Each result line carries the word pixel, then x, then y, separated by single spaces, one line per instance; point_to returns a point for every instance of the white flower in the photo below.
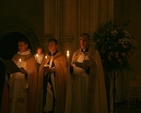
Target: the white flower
pixel 114 32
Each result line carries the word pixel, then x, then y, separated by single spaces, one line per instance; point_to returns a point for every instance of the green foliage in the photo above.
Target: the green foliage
pixel 115 45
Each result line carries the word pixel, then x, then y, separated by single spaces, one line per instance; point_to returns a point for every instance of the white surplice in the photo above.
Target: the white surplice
pixel 89 92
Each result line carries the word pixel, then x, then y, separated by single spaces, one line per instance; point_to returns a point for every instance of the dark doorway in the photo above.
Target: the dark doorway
pixel 8 44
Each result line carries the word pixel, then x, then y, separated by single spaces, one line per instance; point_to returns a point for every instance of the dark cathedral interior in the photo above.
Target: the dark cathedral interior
pixel 39 20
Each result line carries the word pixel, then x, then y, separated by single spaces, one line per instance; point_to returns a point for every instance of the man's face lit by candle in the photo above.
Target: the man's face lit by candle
pixel 52 46
pixel 22 46
pixel 84 42
pixel 39 51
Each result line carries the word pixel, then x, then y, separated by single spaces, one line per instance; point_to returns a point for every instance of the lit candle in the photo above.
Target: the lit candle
pixel 68 54
pixel 50 63
pixel 68 58
pixel 20 60
pixel 36 55
pixel 46 65
pixel 20 63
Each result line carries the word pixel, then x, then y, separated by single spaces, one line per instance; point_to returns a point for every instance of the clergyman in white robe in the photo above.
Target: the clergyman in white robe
pixel 88 86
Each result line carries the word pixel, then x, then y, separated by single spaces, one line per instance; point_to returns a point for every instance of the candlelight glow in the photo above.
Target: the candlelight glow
pixel 45 57
pixel 68 54
pixel 20 60
pixel 36 55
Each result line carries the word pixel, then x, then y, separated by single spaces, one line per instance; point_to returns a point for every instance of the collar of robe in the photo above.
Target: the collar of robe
pixel 52 54
pixel 25 53
pixel 85 50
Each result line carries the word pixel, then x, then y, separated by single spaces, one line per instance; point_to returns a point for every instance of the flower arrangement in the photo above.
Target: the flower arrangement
pixel 115 45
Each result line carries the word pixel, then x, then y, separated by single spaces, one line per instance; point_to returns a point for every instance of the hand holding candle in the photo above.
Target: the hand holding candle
pixel 22 64
pixel 20 60
pixel 36 55
pixel 46 65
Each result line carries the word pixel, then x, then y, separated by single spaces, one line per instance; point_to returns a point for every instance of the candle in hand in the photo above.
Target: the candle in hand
pixel 20 63
pixel 20 60
pixel 36 55
pixel 45 65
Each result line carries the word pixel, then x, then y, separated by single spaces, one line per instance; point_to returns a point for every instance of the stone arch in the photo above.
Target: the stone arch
pixel 10 24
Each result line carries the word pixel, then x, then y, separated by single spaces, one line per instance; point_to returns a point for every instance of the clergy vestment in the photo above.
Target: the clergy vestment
pixel 52 96
pixel 39 58
pixel 88 86
pixel 20 89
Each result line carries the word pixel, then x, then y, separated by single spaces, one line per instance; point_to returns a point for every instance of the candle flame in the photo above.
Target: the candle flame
pixel 20 60
pixel 68 53
pixel 45 57
pixel 36 55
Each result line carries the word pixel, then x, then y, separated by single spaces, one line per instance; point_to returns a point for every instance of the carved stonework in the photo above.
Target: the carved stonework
pixel 67 19
pixel 10 24
pixel 66 42
pixel 45 39
pixel 67 38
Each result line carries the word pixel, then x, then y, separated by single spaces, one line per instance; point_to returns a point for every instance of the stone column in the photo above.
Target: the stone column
pixel 67 19
pixel 49 17
pixel 49 12
pixel 66 35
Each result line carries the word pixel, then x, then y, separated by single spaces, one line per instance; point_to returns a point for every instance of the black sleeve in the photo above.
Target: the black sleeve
pixel 88 70
pixel 71 70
